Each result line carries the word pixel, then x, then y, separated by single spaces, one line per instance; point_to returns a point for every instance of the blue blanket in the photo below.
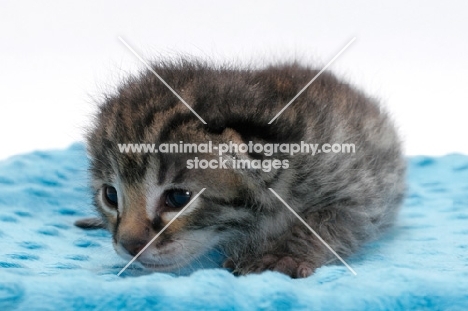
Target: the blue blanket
pixel 48 264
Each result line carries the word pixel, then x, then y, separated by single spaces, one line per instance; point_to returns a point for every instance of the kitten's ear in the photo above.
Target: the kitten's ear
pixel 217 129
pixel 90 223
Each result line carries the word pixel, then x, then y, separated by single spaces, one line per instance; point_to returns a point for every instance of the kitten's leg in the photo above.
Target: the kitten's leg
pixel 298 253
pixel 282 263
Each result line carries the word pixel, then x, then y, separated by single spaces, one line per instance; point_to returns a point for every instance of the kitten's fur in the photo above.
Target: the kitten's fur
pixel 347 199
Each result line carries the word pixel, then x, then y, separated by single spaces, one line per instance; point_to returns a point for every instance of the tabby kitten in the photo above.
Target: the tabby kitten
pixel 347 198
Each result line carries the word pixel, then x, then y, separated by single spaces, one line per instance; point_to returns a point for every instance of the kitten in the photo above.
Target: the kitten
pixel 347 198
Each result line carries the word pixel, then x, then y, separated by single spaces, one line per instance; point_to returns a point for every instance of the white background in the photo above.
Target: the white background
pixel 56 57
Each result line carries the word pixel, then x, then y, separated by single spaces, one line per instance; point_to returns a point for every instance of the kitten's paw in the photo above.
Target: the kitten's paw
pixel 285 264
pixel 304 270
pixel 90 223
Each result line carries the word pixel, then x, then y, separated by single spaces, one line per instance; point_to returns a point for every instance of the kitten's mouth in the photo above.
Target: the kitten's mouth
pixel 158 266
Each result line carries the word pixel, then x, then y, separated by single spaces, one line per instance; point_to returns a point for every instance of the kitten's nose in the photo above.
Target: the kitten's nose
pixel 133 247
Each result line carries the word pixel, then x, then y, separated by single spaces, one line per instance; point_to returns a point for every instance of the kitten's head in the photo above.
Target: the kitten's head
pixel 138 194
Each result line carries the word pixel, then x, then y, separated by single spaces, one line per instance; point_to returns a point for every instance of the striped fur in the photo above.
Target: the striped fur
pixel 347 198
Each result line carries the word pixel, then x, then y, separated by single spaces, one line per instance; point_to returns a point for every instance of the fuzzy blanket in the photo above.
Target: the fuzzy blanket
pixel 48 264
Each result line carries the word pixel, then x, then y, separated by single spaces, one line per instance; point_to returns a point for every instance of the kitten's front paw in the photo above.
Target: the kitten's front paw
pixel 295 268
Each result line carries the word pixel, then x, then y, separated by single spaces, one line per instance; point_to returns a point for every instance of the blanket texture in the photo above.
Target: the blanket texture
pixel 48 264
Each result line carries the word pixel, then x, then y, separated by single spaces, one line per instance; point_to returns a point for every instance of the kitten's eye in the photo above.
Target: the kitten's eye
pixel 110 196
pixel 177 198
